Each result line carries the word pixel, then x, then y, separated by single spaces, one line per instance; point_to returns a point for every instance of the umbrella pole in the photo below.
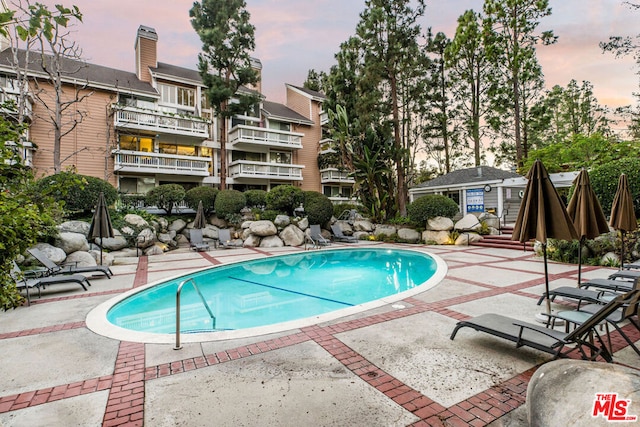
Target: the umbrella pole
pixel 100 245
pixel 580 260
pixel 546 276
pixel 622 250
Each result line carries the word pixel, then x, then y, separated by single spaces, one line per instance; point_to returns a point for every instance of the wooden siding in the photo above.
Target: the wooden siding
pixel 146 55
pixel 308 155
pixel 87 148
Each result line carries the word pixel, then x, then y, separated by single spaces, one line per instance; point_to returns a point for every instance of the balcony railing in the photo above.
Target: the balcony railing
pixel 142 162
pixel 157 121
pixel 243 134
pixel 334 175
pixel 247 169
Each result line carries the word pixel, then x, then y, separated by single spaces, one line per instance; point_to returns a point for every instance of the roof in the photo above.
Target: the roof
pixel 175 71
pixel 81 71
pixel 471 175
pixel 318 96
pixel 276 111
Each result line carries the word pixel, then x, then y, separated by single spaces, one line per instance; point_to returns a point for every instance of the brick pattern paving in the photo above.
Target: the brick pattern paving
pixel 125 405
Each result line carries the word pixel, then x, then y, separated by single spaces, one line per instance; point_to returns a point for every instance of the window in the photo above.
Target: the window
pixel 186 97
pixel 167 93
pixel 136 143
pixel 182 150
pixel 176 95
pixel 248 156
pixel 281 157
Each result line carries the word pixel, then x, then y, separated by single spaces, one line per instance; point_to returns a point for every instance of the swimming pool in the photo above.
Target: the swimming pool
pixel 264 295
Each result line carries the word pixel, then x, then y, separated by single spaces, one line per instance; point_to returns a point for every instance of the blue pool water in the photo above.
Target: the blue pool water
pixel 274 290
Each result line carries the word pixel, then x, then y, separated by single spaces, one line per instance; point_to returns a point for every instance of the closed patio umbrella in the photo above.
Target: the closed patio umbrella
pixel 101 223
pixel 542 215
pixel 200 221
pixel 623 215
pixel 586 213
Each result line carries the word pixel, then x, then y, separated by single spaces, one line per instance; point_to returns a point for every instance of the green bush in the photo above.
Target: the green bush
pixel 604 180
pixel 284 198
pixel 269 215
pixel 256 198
pixel 431 206
pixel 78 192
pixel 229 203
pixel 202 193
pixel 165 196
pixel 341 207
pixel 317 207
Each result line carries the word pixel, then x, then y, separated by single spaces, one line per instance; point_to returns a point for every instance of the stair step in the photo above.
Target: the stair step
pixel 514 245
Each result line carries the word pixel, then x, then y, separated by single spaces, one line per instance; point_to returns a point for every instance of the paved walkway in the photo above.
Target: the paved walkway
pixel 392 366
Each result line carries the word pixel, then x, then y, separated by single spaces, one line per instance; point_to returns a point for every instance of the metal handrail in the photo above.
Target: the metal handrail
pixel 213 318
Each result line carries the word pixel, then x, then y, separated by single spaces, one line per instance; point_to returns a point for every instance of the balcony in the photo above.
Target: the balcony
pixel 243 136
pixel 159 122
pixel 262 170
pixel 12 95
pixel 169 164
pixel 332 175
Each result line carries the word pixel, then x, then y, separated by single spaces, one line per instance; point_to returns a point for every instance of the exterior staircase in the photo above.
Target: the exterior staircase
pixel 503 241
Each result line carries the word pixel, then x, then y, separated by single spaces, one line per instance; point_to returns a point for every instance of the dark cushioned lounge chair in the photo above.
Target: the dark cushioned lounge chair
pixel 54 269
pixel 340 236
pixel 549 340
pixel 196 240
pixel 225 240
pixel 40 282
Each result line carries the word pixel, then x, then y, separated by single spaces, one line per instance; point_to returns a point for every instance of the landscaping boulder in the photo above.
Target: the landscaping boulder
pixel 81 259
pixel 303 224
pixel 271 242
pixel 363 225
pixel 291 235
pixel 281 221
pixel 154 249
pixel 107 258
pixel 346 228
pixel 56 255
pixel 263 228
pixel 246 224
pixel 146 238
pixel 218 222
pixel 81 227
pixel 565 392
pixel 610 258
pixel 409 235
pixel 437 237
pixel 178 225
pixel 440 223
pixel 114 243
pixel 71 242
pixel 210 231
pixel 465 239
pixel 490 219
pixel 468 222
pixel 384 230
pixel 136 220
pixel 251 241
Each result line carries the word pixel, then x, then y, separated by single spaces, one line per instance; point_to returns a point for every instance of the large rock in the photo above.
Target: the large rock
pixel 146 238
pixel 178 225
pixel 107 258
pixel 363 225
pixel 251 241
pixel 56 255
pixel 81 259
pixel 465 239
pixel 440 223
pixel 218 222
pixel 303 224
pixel 385 230
pixel 114 243
pixel 437 237
pixel 291 235
pixel 72 242
pixel 565 392
pixel 409 235
pixel 468 222
pixel 263 228
pixel 74 227
pixel 346 228
pixel 136 220
pixel 271 242
pixel 282 221
pixel 490 219
pixel 155 249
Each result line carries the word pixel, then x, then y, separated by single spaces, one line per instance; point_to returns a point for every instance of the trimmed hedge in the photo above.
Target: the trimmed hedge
pixel 165 196
pixel 256 198
pixel 205 193
pixel 284 198
pixel 431 206
pixel 78 192
pixel 229 203
pixel 604 180
pixel 317 207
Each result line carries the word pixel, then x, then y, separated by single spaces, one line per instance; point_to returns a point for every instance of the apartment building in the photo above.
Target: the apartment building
pixel 153 126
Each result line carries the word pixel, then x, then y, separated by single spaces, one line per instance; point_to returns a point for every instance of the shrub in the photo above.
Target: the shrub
pixel 229 203
pixel 256 198
pixel 317 207
pixel 165 196
pixel 78 192
pixel 202 193
pixel 431 206
pixel 284 198
pixel 604 180
pixel 269 215
pixel 341 207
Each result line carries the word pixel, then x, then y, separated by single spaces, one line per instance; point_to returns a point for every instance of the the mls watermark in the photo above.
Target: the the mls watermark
pixel 611 408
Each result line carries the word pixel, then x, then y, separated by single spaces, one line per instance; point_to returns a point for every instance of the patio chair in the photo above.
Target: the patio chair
pixel 340 236
pixel 196 240
pixel 54 269
pixel 625 274
pixel 549 340
pixel 28 283
pixel 606 290
pixel 225 241
pixel 622 314
pixel 315 236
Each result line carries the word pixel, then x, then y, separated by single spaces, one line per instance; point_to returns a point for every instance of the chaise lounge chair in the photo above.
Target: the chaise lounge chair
pixel 607 289
pixel 54 269
pixel 340 236
pixel 225 241
pixel 550 340
pixel 196 240
pixel 40 282
pixel 315 237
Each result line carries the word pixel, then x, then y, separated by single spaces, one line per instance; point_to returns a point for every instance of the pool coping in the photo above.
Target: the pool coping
pixel 97 322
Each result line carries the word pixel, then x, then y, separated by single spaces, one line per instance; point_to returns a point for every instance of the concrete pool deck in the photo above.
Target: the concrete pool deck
pixel 391 366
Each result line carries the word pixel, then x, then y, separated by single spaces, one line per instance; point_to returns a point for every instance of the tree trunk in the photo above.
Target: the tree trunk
pixel 402 189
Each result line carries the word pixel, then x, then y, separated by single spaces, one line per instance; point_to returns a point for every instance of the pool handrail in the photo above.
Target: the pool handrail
pixel 178 346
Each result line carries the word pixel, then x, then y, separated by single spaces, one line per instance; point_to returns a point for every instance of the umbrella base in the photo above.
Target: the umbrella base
pixel 542 318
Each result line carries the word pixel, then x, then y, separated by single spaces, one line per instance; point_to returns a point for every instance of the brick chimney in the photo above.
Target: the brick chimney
pixel 146 52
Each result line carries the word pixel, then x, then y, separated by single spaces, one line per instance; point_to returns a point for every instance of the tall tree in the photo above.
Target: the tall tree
pixel 387 34
pixel 225 62
pixel 470 72
pixel 510 41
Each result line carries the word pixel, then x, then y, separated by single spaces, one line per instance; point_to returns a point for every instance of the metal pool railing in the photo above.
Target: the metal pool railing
pixel 178 346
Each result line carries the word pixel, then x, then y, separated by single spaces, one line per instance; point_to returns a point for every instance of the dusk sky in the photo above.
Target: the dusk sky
pixel 293 36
